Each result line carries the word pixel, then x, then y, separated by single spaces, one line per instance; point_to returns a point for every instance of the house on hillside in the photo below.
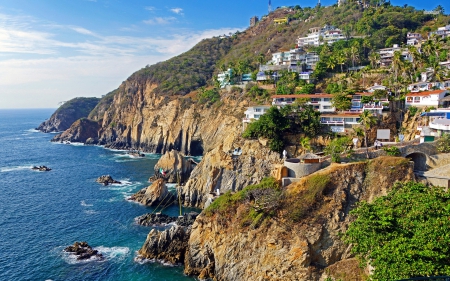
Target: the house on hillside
pixel 284 20
pixel 376 106
pixel 253 21
pixel 254 113
pixel 427 98
pixel 340 121
pixel 387 54
pixel 319 36
pixel 413 39
pixel 439 119
pixel 428 86
pixel 320 102
pixel 443 31
pixel 375 87
pixel 225 78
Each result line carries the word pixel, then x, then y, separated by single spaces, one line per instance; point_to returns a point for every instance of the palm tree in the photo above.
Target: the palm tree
pixel 261 58
pixel 331 62
pixel 366 119
pixel 397 62
pixel 417 59
pixel 354 53
pixel 341 59
pixel 305 144
pixel 374 58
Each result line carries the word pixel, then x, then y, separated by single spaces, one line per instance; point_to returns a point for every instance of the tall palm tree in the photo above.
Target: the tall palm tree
pixel 417 59
pixel 331 62
pixel 374 58
pixel 341 59
pixel 354 53
pixel 305 144
pixel 366 119
pixel 397 62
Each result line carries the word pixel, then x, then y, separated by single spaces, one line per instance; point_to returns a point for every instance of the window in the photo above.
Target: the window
pixel 257 109
pixel 327 107
pixel 347 120
pixel 327 99
pixel 337 119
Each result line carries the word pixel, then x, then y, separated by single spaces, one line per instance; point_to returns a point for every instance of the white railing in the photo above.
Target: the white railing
pixel 440 127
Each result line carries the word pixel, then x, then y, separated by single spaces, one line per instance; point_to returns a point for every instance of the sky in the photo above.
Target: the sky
pixel 54 50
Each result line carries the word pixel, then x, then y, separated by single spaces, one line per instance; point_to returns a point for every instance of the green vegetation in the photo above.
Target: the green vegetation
pixel 188 71
pixel 444 143
pixel 210 96
pixel 403 234
pixel 104 103
pixel 367 120
pixel 413 110
pixel 263 200
pixel 296 118
pixel 338 146
pixel 79 106
pixel 301 203
pixel 392 150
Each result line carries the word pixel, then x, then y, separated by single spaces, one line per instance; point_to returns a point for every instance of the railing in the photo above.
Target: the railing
pixel 440 126
pixel 332 122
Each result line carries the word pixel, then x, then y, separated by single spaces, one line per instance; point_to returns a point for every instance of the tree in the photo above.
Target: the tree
pixel 336 147
pixel 305 144
pixel 403 234
pixel 397 61
pixel 374 58
pixel 341 59
pixel 270 125
pixel 367 120
pixel 444 143
pixel 341 101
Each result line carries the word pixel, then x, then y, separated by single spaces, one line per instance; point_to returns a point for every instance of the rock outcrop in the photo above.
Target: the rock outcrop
pixel 83 130
pixel 222 247
pixel 168 245
pixel 163 219
pixel 106 179
pixel 155 194
pixel 83 251
pixel 176 167
pixel 68 113
pixel 221 170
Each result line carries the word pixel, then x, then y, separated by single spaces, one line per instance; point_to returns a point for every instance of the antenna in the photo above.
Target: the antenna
pixel 270 6
pixel 318 4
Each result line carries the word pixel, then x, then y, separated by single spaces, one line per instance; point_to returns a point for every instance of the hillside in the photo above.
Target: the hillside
pixel 68 113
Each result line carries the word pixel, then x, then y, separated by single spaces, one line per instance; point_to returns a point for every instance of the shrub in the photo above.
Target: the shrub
pixel 413 110
pixel 444 143
pixel 392 150
pixel 210 96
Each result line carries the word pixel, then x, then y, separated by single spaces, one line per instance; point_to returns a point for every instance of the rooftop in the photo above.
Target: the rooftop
pixel 426 93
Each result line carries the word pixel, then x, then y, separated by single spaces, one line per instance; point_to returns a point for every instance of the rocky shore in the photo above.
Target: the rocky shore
pixel 163 219
pixel 83 251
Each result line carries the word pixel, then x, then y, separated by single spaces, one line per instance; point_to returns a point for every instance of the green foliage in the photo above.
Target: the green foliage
pixel 208 96
pixel 270 125
pixel 263 200
pixel 255 92
pixel 403 234
pixel 412 110
pixel 188 71
pixel 392 150
pixel 307 89
pixel 341 101
pixel 444 143
pixel 301 204
pixel 338 146
pixel 77 108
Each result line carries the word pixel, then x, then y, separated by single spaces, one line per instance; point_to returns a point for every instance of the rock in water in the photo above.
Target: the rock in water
pixel 105 180
pixel 154 194
pixel 162 219
pixel 169 245
pixel 83 251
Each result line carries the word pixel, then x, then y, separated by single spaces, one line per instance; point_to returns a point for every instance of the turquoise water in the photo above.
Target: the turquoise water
pixel 43 212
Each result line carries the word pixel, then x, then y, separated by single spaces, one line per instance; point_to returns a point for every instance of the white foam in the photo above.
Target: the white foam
pixel 15 168
pixel 70 258
pixel 90 212
pixel 84 204
pixel 141 260
pixel 32 131
pixel 113 252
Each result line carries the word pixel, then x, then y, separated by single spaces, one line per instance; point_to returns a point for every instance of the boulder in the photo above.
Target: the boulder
pixel 155 194
pixel 83 251
pixel 105 180
pixel 174 167
pixel 169 245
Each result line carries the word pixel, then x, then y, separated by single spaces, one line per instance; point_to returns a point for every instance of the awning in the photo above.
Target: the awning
pixel 434 114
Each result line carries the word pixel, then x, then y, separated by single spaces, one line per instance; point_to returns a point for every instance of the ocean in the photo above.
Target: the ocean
pixel 41 213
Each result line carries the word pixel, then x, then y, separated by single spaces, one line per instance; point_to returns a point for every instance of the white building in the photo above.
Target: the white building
pixel 387 54
pixel 441 32
pixel 255 112
pixel 427 98
pixel 224 78
pixel 320 102
pixel 428 86
pixel 319 36
pixel 281 58
pixel 338 122
pixel 376 87
pixel 413 39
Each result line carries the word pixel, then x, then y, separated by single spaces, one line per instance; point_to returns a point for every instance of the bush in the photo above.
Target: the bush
pixel 210 96
pixel 413 110
pixel 444 143
pixel 404 234
pixel 392 150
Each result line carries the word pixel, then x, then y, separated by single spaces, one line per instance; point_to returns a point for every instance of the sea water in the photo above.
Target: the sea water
pixel 41 213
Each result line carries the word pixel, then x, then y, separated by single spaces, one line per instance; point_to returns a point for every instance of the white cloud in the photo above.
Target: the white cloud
pixel 83 31
pixel 150 8
pixel 160 20
pixel 177 11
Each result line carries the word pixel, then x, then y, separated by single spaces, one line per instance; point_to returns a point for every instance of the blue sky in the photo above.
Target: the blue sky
pixel 55 50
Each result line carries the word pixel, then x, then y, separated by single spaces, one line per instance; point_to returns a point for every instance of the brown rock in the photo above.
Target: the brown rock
pixel 176 166
pixel 155 194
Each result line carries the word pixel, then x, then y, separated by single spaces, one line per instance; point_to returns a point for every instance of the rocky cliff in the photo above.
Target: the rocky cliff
pixel 68 113
pixel 301 241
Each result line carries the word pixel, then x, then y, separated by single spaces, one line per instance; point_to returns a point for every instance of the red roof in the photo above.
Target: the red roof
pixel 426 93
pixel 304 96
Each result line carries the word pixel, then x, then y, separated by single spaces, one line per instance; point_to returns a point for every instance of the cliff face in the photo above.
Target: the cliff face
pixel 280 249
pixel 219 169
pixel 68 113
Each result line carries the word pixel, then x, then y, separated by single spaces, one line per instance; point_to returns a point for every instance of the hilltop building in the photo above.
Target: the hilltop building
pixel 387 54
pixel 319 36
pixel 427 98
pixel 253 21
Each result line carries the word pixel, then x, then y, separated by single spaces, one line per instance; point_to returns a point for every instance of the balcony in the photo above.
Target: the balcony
pixel 329 122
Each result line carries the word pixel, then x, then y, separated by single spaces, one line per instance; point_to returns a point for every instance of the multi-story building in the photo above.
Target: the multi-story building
pixel 427 98
pixel 319 36
pixel 253 21
pixel 413 39
pixel 320 102
pixel 443 31
pixel 387 54
pixel 255 112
